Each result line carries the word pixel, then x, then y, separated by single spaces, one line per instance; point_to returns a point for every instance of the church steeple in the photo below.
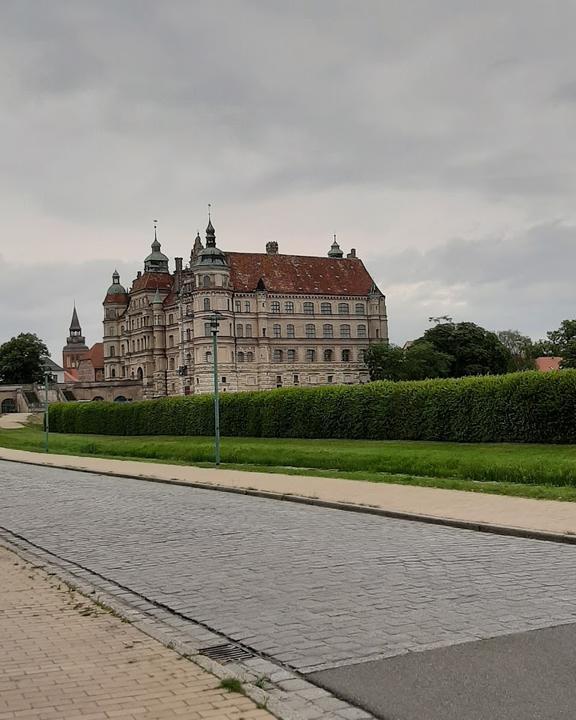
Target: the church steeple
pixel 75 343
pixel 156 262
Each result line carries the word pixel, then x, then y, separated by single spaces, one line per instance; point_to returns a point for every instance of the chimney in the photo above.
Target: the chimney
pixel 352 253
pixel 272 248
pixel 178 263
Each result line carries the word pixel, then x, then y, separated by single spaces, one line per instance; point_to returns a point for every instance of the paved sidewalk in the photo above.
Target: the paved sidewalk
pixel 522 513
pixel 64 657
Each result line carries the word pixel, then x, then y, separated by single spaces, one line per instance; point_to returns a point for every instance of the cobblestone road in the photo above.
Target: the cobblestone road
pixel 313 588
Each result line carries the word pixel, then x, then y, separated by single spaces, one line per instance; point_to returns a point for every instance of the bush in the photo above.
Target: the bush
pixel 528 407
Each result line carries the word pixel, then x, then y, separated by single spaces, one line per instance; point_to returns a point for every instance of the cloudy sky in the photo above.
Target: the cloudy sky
pixel 437 138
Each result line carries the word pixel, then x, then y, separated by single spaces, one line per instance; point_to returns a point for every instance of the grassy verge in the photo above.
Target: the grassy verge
pixel 538 471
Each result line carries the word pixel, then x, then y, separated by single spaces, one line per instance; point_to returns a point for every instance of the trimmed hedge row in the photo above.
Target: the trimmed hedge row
pixel 528 407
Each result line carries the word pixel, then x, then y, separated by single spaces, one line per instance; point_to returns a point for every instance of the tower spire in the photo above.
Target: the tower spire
pixel 210 232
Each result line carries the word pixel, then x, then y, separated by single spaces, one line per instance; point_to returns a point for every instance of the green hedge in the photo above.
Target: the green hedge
pixel 526 407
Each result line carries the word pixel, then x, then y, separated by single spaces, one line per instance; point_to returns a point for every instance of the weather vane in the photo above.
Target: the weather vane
pixel 209 210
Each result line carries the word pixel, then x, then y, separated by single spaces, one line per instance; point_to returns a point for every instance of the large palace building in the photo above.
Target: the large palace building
pixel 285 320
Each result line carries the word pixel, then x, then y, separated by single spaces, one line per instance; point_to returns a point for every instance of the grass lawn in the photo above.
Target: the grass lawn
pixel 541 471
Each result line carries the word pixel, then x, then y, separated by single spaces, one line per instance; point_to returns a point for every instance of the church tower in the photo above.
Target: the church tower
pixel 75 344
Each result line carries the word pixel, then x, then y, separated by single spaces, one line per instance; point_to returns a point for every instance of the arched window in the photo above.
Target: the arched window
pixel 345 355
pixel 248 330
pixel 206 303
pixel 345 331
pixel 327 331
pixel 121 349
pixel 343 308
pixel 138 344
pixel 206 281
pixel 277 330
pixel 290 331
pixel 362 331
pixel 328 355
pixel 188 334
pixel 308 308
pixel 113 372
pixel 208 356
pixel 291 355
pixel 249 357
pixel 240 357
pixel 310 355
pixel 140 373
pixel 112 351
pixel 240 330
pixel 170 319
pixel 170 340
pixel 310 331
pixel 207 329
pixel 326 308
pixel 277 356
pixel 289 307
pixel 189 309
pixel 360 309
pixel 172 364
pixel 275 306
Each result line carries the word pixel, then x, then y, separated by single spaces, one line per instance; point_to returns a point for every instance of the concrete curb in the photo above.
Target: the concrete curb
pixel 507 530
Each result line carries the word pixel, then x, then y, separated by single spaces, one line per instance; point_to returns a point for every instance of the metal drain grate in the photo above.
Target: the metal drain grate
pixel 226 653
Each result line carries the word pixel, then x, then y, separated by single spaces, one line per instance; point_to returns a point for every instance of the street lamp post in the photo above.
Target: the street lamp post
pixel 46 417
pixel 214 325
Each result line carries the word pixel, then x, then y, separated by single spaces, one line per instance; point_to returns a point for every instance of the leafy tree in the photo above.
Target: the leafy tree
pixel 569 355
pixel 475 351
pixel 417 362
pixel 21 359
pixel 558 341
pixel 423 361
pixel 385 362
pixel 521 349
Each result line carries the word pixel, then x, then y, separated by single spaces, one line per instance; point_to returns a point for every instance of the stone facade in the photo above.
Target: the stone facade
pixel 284 320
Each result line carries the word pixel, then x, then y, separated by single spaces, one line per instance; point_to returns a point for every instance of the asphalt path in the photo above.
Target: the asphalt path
pixel 529 676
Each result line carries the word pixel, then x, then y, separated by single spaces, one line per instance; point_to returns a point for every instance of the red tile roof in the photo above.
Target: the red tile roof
pixel 151 281
pixel 115 299
pixel 299 274
pixel 71 375
pixel 95 355
pixel 545 364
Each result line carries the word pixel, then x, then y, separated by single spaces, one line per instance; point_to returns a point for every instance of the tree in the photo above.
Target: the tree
pixel 422 361
pixel 569 355
pixel 21 359
pixel 558 341
pixel 385 362
pixel 521 349
pixel 417 362
pixel 475 351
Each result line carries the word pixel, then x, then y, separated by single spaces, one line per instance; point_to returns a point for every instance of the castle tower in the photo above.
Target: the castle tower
pixel 115 304
pixel 75 344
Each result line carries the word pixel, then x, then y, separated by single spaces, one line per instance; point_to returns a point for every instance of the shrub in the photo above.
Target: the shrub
pixel 526 407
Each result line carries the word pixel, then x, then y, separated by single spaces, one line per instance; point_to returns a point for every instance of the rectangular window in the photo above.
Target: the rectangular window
pixel 279 381
pixel 207 331
pixel 275 306
pixel 238 306
pixel 296 380
pixel 246 307
pixel 277 329
pixel 248 330
pixel 290 331
pixel 291 355
pixel 330 379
